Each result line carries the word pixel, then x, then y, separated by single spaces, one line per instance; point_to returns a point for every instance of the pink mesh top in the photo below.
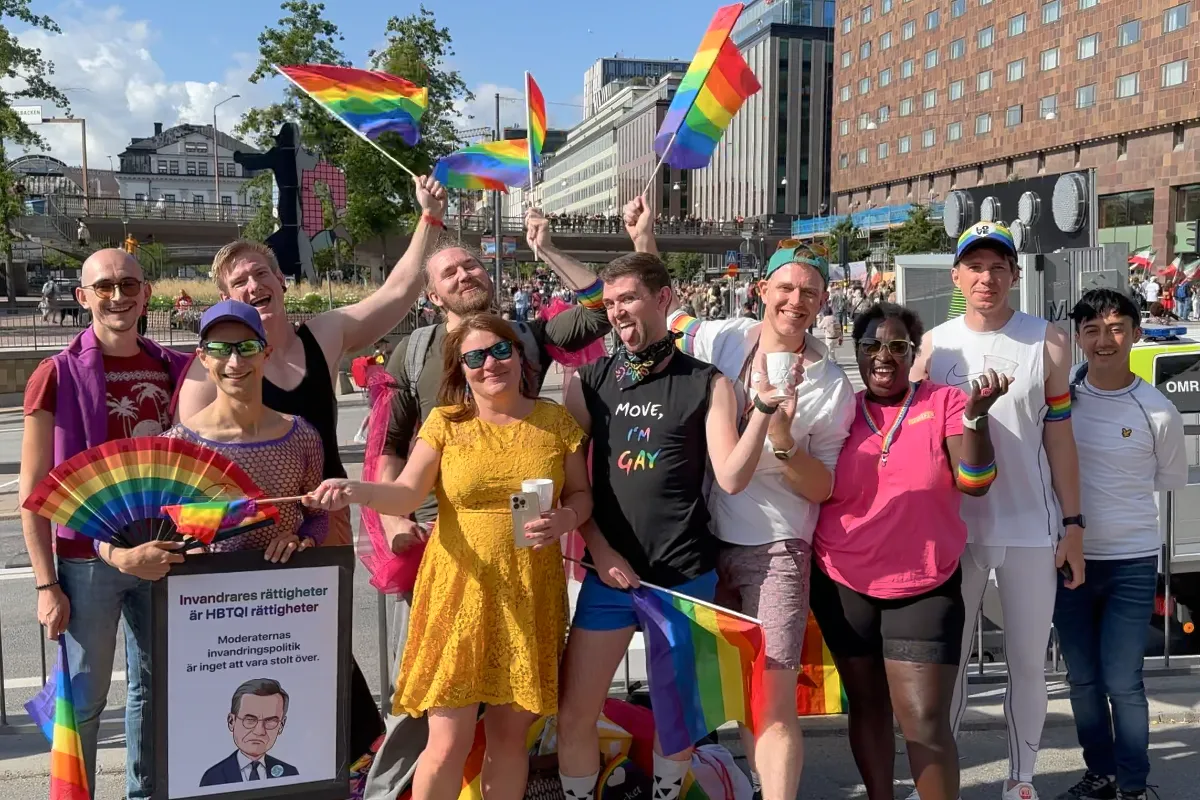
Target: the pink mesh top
pixel 284 467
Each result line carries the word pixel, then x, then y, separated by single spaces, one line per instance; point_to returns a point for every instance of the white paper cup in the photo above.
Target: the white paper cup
pixel 1002 366
pixel 779 369
pixel 544 487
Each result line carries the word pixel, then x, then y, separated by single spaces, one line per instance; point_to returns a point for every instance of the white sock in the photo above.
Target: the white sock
pixel 579 788
pixel 668 777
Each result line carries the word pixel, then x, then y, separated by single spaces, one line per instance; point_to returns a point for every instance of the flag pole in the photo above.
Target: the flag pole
pixel 349 127
pixel 680 595
pixel 529 147
pixel 658 166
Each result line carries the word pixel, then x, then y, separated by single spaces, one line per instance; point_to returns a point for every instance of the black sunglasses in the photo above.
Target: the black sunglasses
pixel 900 348
pixel 501 351
pixel 245 349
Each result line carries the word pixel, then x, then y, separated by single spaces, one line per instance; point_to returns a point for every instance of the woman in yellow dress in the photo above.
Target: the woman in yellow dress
pixel 489 618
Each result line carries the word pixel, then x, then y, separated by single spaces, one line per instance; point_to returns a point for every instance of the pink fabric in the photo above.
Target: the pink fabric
pixel 576 359
pixel 895 531
pixel 390 573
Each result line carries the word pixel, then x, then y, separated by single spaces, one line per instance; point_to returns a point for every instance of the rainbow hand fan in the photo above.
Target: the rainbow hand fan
pixel 114 489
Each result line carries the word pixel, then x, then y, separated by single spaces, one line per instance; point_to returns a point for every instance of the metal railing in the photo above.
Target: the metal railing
pixel 132 210
pixel 613 226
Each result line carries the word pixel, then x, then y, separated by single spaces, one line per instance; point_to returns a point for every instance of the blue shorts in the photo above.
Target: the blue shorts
pixel 602 608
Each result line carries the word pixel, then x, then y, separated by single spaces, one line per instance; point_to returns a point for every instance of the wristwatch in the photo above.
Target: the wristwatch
pixel 1075 520
pixel 784 455
pixel 973 422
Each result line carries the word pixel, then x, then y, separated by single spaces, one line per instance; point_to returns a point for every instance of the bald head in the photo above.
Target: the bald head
pixel 110 263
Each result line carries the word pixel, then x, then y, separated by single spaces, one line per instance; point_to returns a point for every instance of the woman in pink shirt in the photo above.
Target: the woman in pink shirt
pixel 886 585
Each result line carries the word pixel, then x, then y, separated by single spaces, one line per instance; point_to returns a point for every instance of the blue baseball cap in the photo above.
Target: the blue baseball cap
pixel 233 311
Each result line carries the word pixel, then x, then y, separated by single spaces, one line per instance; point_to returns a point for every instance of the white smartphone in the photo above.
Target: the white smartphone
pixel 525 509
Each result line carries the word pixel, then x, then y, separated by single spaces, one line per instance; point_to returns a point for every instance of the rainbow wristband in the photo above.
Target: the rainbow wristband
pixel 592 297
pixel 688 326
pixel 970 477
pixel 1059 408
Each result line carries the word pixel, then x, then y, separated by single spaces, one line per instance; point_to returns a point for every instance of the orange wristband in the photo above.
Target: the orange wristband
pixel 434 221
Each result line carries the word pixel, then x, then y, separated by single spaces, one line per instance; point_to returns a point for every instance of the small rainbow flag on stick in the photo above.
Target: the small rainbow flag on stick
pixel 710 94
pixel 704 663
pixel 53 710
pixel 535 106
pixel 493 166
pixel 203 520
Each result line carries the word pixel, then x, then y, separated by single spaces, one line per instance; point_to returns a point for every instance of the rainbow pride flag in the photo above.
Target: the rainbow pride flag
pixel 819 689
pixel 53 710
pixel 493 166
pixel 370 103
pixel 710 94
pixel 704 666
pixel 203 520
pixel 535 105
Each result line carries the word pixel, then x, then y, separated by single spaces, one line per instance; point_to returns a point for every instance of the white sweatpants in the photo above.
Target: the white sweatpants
pixel 1027 581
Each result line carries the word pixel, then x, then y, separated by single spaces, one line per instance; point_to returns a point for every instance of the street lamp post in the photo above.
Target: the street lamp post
pixel 216 163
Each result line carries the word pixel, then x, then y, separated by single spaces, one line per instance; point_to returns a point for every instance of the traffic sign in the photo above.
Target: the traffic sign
pixel 30 115
pixel 1177 375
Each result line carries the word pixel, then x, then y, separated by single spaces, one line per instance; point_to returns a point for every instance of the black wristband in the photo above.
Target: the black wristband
pixel 46 586
pixel 763 407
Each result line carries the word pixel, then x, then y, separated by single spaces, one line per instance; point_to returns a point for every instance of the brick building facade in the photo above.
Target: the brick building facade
pixel 932 96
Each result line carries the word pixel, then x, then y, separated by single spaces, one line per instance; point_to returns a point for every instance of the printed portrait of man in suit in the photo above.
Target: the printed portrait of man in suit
pixel 256 718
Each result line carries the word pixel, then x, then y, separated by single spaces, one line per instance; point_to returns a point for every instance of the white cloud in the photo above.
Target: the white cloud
pixel 104 64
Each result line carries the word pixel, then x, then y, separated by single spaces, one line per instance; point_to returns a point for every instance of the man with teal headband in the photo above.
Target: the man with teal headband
pixel 766 531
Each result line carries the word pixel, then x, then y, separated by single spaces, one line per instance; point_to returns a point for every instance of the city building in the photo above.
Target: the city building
pixel 669 194
pixel 608 76
pixel 935 96
pixel 41 175
pixel 177 165
pixel 774 157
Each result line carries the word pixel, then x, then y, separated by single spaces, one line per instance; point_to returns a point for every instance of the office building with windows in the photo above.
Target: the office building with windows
pixel 178 165
pixel 933 96
pixel 774 157
pixel 608 76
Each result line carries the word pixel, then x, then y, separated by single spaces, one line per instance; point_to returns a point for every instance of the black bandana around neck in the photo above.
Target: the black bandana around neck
pixel 633 368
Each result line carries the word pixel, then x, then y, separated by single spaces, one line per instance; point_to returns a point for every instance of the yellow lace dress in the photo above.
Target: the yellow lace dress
pixel 489 619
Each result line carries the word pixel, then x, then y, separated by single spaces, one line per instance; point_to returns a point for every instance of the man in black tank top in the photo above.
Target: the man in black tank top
pixel 656 416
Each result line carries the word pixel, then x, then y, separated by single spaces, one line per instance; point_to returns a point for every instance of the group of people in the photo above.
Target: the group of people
pixel 883 511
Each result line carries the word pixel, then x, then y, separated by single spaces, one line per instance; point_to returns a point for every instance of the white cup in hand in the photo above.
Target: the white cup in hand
pixel 779 372
pixel 544 487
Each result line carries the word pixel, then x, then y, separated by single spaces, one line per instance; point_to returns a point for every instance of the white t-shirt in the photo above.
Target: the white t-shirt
pixel 1130 444
pixel 1151 290
pixel 768 510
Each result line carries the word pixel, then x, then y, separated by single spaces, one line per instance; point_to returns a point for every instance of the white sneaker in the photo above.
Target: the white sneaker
pixel 1022 791
pixel 916 796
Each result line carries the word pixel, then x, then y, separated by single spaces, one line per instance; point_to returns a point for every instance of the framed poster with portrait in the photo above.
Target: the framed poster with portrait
pixel 250 672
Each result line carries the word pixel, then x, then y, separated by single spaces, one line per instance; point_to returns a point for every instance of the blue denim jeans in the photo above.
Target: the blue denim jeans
pixel 1102 630
pixel 101 596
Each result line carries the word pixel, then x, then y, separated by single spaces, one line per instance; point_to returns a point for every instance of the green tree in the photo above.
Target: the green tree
pixel 684 266
pixel 919 234
pixel 154 259
pixel 27 76
pixel 846 229
pixel 257 192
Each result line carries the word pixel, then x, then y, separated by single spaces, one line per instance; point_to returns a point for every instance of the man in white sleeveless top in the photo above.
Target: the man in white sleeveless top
pixel 1029 524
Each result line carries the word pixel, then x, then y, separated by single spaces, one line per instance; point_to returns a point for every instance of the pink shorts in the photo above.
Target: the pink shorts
pixel 770 582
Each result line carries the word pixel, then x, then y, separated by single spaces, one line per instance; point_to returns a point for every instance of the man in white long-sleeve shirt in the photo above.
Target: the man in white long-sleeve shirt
pixel 1130 442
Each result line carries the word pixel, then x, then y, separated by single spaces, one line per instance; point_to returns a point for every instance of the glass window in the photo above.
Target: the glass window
pixel 957 8
pixel 983 81
pixel 983 3
pixel 907 67
pixel 1048 105
pixel 1087 47
pixel 1127 85
pixel 843 127
pixel 885 6
pixel 986 37
pixel 932 19
pixel 1050 12
pixel 882 151
pixel 885 41
pixel 846 58
pixel 1174 73
pixel 931 57
pixel 203 165
pixel 928 137
pixel 1175 18
pixel 863 155
pixel 885 113
pixel 844 93
pixel 906 106
pixel 864 119
pixel 1189 203
pixel 162 167
pixel 956 90
pixel 1126 208
pixel 1016 25
pixel 908 30
pixel 174 167
pixel 847 24
pixel 1084 5
pixel 1012 116
pixel 864 85
pixel 864 50
pixel 843 161
pixel 885 77
pixel 1085 96
pixel 905 144
pixel 191 168
pixel 1129 33
pixel 957 48
pixel 953 131
pixel 929 100
pixel 1049 59
pixel 1016 70
pixel 983 124
pixel 867 12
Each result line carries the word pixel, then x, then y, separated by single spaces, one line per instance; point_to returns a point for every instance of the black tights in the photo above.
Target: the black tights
pixel 919 697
